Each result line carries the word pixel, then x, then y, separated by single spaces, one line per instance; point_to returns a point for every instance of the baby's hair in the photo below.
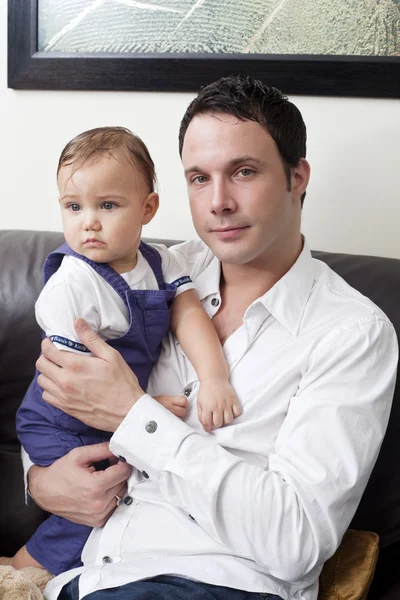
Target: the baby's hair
pixel 113 141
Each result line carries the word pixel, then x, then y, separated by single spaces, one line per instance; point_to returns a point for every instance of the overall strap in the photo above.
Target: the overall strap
pixel 154 259
pixel 53 262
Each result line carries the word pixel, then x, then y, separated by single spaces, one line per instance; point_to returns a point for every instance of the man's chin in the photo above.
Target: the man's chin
pixel 230 254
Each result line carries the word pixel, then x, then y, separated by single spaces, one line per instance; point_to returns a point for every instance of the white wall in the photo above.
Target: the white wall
pixel 353 202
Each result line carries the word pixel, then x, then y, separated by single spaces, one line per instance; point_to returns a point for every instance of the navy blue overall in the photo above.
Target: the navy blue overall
pixel 47 433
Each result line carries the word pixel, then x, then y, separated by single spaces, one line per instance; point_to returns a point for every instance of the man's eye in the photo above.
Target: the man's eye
pixel 246 172
pixel 108 205
pixel 199 179
pixel 74 207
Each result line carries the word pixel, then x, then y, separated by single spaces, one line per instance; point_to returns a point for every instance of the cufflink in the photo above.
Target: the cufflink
pixel 151 426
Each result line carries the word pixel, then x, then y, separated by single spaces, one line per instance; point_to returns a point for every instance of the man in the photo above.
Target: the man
pixel 256 507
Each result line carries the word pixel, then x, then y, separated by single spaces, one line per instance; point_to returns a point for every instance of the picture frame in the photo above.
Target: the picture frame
pixel 320 75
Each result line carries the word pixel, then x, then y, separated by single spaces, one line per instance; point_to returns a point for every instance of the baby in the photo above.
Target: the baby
pixel 128 291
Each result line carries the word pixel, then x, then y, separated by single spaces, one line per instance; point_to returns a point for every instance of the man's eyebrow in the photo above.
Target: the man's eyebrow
pixel 193 169
pixel 233 163
pixel 246 158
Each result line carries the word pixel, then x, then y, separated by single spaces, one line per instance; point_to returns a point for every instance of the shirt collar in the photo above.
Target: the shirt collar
pixel 286 300
pixel 207 283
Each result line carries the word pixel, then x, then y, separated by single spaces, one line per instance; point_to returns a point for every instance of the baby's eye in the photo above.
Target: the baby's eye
pixel 108 205
pixel 74 207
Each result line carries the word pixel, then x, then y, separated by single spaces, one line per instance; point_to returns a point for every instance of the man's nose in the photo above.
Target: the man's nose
pixel 222 199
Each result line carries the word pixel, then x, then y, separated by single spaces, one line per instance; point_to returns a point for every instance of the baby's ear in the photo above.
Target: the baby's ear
pixel 150 207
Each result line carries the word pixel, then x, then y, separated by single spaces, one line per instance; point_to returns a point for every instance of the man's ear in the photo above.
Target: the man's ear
pixel 150 207
pixel 300 177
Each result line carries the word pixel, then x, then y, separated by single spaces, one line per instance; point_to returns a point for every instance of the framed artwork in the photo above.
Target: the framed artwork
pixel 312 47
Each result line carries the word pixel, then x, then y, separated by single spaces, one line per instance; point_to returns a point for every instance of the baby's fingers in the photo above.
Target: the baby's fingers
pixel 236 409
pixel 218 418
pixel 228 416
pixel 205 418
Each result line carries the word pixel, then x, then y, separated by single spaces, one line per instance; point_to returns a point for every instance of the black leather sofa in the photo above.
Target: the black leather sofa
pixel 22 254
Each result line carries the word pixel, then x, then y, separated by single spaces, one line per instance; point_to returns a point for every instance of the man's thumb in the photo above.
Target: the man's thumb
pixel 90 339
pixel 86 455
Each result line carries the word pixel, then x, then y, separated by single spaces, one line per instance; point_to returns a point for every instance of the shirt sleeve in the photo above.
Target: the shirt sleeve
pixel 174 271
pixel 60 304
pixel 26 465
pixel 289 518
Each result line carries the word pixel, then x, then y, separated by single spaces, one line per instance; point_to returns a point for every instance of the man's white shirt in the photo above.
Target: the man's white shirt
pixel 261 504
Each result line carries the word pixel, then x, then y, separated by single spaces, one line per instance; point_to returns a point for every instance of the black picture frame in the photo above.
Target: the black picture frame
pixel 319 75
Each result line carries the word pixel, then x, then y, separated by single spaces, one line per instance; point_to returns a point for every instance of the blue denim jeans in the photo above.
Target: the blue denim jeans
pixel 164 587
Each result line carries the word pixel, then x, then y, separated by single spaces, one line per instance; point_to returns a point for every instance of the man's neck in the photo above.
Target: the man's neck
pixel 251 281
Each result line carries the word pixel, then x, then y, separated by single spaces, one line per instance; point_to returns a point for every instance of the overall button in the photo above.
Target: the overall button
pixel 122 458
pixel 151 426
pixel 128 500
pixel 188 392
pixel 215 302
pixel 106 560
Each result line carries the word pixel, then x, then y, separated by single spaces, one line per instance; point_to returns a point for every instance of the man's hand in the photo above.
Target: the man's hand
pixel 73 489
pixel 98 390
pixel 176 404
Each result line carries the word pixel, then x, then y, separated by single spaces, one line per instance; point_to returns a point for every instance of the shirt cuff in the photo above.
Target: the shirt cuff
pixel 148 436
pixel 184 287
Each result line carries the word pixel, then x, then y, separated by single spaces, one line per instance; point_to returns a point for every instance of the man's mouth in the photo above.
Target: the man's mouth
pixel 228 233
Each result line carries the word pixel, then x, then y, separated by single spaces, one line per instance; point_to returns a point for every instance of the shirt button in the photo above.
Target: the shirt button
pixel 188 392
pixel 107 559
pixel 128 500
pixel 145 475
pixel 215 302
pixel 151 426
pixel 122 458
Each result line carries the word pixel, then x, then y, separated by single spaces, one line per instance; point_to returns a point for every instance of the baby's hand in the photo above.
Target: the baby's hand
pixel 176 404
pixel 217 404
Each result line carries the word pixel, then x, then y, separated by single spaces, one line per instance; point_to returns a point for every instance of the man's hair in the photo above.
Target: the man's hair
pixel 250 99
pixel 112 141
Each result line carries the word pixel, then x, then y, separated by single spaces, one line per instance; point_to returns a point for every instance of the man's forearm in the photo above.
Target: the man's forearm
pixel 238 504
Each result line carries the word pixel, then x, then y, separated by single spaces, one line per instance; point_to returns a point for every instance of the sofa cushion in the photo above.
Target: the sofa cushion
pixel 348 574
pixel 21 259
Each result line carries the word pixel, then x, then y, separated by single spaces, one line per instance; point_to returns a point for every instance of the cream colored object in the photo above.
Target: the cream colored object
pixel 23 584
